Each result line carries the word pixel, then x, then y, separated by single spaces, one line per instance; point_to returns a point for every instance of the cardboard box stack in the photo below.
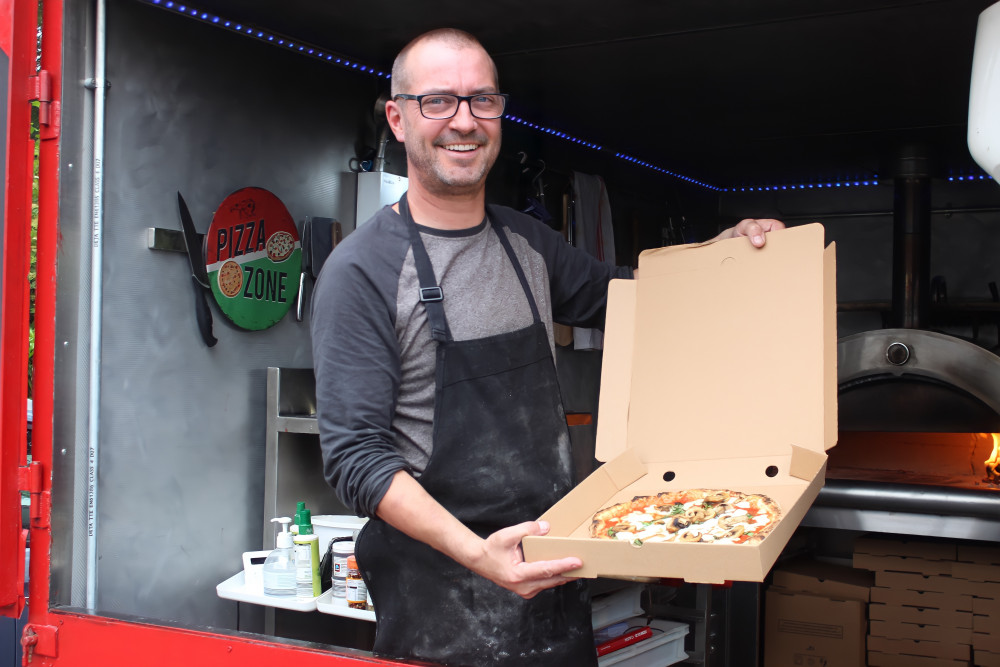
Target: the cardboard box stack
pixel 815 614
pixel 979 569
pixel 921 613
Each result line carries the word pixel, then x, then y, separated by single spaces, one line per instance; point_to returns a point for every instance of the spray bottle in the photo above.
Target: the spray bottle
pixel 307 583
pixel 279 568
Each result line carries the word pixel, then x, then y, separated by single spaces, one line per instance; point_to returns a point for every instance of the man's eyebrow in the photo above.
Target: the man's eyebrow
pixel 491 90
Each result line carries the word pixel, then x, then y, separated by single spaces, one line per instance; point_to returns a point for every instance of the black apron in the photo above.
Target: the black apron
pixel 501 456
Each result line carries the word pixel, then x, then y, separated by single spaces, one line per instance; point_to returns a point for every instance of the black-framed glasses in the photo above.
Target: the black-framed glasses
pixel 440 106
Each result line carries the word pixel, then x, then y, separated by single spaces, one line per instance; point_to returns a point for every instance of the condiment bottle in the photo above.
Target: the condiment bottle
pixel 357 592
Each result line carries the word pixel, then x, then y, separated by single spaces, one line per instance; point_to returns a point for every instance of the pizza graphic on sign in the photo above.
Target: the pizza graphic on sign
pixel 254 258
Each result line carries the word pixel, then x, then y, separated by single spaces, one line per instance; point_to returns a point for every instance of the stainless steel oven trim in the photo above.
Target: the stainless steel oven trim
pixel 903 508
pixel 925 354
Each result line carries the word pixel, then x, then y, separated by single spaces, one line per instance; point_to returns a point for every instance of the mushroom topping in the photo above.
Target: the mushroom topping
pixel 733 532
pixel 689 536
pixel 727 522
pixel 696 514
pixel 678 523
pixel 717 497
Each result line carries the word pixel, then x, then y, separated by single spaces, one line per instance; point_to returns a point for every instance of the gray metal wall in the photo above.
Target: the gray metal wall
pixel 182 427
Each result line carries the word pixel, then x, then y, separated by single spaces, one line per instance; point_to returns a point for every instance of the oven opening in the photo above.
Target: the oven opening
pixel 957 460
pixel 916 430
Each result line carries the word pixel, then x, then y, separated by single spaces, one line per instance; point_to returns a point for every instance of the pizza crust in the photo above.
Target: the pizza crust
pixel 719 516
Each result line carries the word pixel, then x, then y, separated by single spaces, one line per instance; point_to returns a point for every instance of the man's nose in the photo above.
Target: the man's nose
pixel 463 118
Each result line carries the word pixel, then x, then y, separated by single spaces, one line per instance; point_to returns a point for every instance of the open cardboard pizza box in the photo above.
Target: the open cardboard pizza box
pixel 719 372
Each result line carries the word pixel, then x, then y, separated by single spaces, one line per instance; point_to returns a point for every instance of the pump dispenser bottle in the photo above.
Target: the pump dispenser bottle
pixel 306 558
pixel 279 568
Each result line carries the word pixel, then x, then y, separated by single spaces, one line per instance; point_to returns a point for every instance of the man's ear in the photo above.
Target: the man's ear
pixel 394 115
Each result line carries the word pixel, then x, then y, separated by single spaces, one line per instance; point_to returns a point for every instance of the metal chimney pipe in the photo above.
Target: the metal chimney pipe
pixel 911 242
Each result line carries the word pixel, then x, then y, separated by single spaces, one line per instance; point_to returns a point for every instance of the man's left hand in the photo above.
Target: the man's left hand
pixel 753 229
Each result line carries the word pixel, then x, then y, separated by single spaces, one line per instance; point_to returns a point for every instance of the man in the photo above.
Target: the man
pixel 439 408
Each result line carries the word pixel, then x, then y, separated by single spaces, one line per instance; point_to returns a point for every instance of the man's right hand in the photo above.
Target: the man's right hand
pixel 409 508
pixel 502 562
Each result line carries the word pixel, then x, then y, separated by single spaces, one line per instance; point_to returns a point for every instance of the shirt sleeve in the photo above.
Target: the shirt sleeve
pixel 356 361
pixel 578 281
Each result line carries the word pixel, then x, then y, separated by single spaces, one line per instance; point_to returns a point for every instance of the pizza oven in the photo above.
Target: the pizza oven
pixel 919 411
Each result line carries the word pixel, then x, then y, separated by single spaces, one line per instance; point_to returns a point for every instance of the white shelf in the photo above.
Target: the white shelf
pixel 328 603
pixel 235 588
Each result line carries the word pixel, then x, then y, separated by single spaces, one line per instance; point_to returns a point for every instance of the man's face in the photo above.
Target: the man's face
pixel 452 156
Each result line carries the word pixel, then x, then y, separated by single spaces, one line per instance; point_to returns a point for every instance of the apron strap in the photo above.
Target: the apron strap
pixel 431 294
pixel 505 242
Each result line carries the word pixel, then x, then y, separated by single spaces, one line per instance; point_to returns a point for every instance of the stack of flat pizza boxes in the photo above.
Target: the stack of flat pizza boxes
pixel 979 568
pixel 718 372
pixel 815 614
pixel 920 613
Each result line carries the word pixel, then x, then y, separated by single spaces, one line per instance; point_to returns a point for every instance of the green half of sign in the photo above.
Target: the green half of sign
pixel 256 293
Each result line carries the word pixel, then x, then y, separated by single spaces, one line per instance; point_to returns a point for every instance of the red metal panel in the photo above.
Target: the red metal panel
pixel 86 641
pixel 17 39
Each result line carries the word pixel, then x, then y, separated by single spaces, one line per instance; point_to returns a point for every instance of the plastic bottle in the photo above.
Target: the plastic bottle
pixel 307 584
pixel 357 592
pixel 341 550
pixel 279 567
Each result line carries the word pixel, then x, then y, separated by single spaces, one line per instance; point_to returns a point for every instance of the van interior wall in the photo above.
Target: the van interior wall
pixel 182 427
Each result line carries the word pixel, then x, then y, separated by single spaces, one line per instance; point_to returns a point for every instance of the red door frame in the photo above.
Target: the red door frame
pixel 17 39
pixel 53 636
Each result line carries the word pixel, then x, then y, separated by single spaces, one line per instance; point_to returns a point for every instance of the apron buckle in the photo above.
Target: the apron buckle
pixel 429 294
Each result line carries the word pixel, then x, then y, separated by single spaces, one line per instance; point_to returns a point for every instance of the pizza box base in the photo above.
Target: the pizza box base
pixel 570 520
pixel 674 411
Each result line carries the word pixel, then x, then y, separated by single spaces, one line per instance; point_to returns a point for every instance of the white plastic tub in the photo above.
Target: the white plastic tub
pixel 329 526
pixel 663 648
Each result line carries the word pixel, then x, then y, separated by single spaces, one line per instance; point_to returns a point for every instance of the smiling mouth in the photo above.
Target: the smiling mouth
pixel 461 148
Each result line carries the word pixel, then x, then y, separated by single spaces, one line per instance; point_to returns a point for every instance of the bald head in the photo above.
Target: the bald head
pixel 450 37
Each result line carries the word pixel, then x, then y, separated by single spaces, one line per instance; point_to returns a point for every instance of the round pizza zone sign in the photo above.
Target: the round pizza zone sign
pixel 254 258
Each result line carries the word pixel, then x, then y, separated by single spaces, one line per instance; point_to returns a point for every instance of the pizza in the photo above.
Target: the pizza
pixel 691 515
pixel 230 278
pixel 280 246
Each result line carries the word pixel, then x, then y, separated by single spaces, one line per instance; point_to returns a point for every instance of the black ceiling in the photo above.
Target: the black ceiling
pixel 728 91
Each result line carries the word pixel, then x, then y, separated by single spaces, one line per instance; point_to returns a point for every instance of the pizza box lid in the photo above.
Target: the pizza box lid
pixel 719 371
pixel 722 350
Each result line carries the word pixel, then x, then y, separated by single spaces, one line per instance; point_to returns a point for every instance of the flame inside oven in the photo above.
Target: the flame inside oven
pixel 958 460
pixel 992 463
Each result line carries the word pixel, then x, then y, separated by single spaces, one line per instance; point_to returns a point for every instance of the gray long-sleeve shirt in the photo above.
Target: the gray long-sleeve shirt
pixel 374 356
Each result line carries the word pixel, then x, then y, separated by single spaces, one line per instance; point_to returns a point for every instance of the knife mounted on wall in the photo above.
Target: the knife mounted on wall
pixel 199 274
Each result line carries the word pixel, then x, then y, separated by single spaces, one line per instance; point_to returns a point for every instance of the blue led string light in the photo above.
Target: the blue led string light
pixel 968 177
pixel 268 37
pixel 688 179
pixel 320 54
pixel 552 132
pixel 847 183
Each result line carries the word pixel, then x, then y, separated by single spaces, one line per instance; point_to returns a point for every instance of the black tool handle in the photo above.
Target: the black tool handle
pixel 203 314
